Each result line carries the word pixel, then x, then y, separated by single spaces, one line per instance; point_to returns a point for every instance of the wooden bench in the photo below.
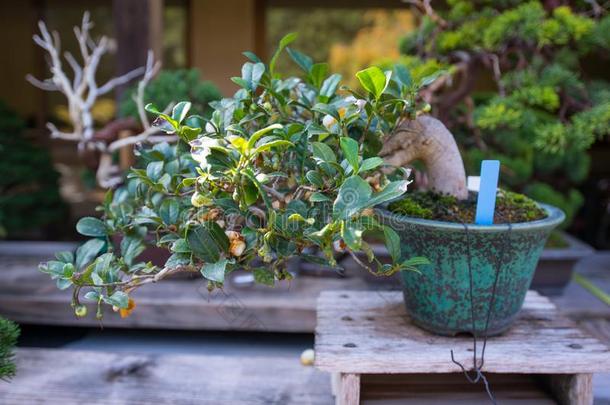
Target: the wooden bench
pixel 363 337
pixel 74 377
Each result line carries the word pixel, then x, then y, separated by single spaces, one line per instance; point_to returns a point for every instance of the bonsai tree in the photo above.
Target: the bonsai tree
pixel 518 89
pixel 29 196
pixel 285 165
pixel 9 332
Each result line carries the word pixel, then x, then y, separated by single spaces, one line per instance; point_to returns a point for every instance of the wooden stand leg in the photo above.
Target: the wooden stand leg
pixel 572 389
pixel 348 389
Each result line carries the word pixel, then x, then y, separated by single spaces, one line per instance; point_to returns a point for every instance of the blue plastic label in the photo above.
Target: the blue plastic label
pixel 486 202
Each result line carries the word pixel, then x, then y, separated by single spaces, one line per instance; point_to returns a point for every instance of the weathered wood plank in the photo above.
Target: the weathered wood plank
pixel 79 377
pixel 572 389
pixel 370 333
pixel 348 390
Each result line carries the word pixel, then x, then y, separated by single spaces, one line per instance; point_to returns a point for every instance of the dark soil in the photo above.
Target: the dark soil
pixel 510 207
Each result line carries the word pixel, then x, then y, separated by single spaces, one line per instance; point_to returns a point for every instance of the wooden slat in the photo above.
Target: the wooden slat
pixel 575 389
pixel 83 377
pixel 348 390
pixel 427 389
pixel 370 333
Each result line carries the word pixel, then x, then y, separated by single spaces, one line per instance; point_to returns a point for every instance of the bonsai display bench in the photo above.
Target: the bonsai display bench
pixel 363 337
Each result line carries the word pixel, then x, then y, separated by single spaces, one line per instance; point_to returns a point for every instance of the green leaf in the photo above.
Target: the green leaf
pixel 215 271
pixel 180 246
pixel 373 80
pixel 351 236
pixel 329 87
pixel 92 295
pixel 402 75
pixel 393 190
pixel 392 242
pixel 284 42
pixel 318 197
pixel 164 124
pixel 154 170
pixel 300 59
pixel 65 257
pixel 315 178
pixel 416 261
pixel 90 226
pixel 350 150
pixel 180 111
pixel 63 283
pixel 262 192
pixel 264 276
pixel 252 56
pixel 370 164
pixel 178 259
pixel 118 299
pixel 269 145
pixel 169 211
pixel 428 80
pixel 88 251
pixel 323 152
pixel 207 241
pixel 327 109
pixel 259 134
pixel 412 263
pixel 252 73
pixel 131 248
pixel 317 74
pixel 353 196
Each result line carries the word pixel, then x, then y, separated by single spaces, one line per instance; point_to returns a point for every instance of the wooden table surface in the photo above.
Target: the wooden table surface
pixel 69 377
pixel 364 332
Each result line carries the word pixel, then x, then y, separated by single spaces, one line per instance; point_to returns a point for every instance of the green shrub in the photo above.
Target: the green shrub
pixel 9 332
pixel 29 195
pixel 531 105
pixel 171 86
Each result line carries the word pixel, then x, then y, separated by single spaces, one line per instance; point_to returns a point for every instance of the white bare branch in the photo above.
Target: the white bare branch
pixel 82 92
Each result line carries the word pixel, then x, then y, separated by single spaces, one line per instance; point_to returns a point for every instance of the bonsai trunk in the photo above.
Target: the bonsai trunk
pixel 428 140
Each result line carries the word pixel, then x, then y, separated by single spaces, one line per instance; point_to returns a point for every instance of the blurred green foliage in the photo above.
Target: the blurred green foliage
pixel 9 332
pixel 29 192
pixel 531 105
pixel 171 86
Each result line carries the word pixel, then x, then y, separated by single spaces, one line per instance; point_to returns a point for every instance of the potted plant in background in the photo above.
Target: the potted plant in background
pixel 29 196
pixel 520 92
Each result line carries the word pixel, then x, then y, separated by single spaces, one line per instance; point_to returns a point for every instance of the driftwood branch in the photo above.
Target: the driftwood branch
pixel 428 140
pixel 82 92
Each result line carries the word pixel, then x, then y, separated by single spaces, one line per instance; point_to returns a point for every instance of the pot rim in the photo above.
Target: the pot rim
pixel 554 218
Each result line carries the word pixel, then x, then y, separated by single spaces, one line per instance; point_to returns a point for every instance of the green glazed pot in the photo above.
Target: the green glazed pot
pixel 438 298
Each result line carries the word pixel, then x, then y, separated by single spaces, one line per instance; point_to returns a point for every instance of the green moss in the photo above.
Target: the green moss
pixel 510 207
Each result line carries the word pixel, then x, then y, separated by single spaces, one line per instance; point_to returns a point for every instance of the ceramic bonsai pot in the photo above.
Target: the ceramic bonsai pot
pixel 438 298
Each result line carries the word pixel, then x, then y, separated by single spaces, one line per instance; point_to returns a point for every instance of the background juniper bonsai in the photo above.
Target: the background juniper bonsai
pixel 284 165
pixel 519 90
pixel 29 196
pixel 9 332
